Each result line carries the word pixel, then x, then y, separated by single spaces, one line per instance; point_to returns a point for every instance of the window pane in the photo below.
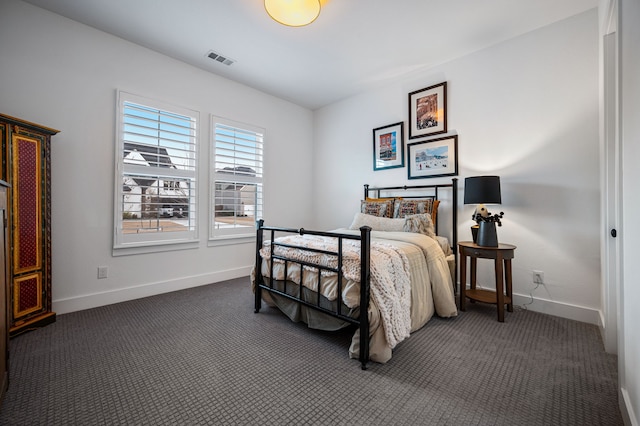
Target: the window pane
pixel 154 198
pixel 155 138
pixel 236 204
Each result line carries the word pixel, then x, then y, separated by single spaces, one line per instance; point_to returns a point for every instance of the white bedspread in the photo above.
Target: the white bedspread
pixel 438 275
pixel 396 308
pixel 390 286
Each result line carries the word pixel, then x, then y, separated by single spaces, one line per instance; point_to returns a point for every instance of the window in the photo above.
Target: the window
pixel 237 151
pixel 156 168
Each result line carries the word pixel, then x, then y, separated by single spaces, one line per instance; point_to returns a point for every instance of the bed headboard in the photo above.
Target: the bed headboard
pixel 447 194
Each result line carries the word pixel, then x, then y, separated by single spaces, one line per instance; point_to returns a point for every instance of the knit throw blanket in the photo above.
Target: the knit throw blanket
pixel 390 286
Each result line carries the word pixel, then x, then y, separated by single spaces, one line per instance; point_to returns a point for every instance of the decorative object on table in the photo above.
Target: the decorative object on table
pixel 428 111
pixel 388 146
pixel 433 158
pixel 483 190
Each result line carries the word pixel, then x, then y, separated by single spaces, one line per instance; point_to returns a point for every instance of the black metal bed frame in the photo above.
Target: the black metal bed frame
pixel 365 240
pixel 365 274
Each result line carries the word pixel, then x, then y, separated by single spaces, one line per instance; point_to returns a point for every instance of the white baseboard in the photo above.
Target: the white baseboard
pixel 78 303
pixel 88 301
pixel 559 309
pixel 626 408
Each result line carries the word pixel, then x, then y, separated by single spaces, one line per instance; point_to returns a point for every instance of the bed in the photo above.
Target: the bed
pixel 385 275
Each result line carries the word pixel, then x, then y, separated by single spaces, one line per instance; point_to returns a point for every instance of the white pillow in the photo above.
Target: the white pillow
pixel 377 223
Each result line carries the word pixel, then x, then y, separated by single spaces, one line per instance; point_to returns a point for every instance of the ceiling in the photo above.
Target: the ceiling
pixel 352 46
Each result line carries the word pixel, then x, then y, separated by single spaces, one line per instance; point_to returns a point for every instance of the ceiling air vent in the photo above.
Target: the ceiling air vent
pixel 219 58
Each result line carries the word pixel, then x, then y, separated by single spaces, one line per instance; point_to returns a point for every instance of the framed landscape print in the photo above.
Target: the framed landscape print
pixel 428 111
pixel 388 146
pixel 433 158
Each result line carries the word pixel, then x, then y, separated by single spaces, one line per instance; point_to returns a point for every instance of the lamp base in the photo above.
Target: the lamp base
pixel 487 235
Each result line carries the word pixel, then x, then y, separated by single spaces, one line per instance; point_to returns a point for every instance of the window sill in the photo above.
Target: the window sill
pixel 153 248
pixel 226 240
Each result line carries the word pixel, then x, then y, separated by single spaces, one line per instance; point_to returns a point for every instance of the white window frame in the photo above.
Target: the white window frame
pixel 154 241
pixel 238 234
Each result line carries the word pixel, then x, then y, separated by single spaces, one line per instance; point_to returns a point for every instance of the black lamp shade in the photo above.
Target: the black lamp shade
pixel 482 190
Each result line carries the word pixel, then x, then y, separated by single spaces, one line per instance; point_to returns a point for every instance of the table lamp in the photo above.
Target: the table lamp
pixel 483 190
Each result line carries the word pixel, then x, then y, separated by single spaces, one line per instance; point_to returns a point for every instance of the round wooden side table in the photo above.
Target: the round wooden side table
pixel 501 255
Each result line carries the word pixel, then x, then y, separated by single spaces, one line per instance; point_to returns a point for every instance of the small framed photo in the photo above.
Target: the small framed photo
pixel 388 146
pixel 428 111
pixel 433 158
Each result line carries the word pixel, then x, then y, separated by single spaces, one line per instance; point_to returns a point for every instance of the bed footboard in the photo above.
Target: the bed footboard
pixel 362 321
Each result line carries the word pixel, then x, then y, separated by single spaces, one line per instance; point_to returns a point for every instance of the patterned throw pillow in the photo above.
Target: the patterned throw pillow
pixel 383 208
pixel 419 223
pixel 404 208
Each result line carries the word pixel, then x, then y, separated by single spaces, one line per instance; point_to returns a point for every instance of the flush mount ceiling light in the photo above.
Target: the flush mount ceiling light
pixel 294 13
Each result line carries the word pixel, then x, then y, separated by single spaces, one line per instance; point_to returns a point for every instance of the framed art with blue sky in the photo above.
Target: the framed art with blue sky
pixel 433 158
pixel 388 146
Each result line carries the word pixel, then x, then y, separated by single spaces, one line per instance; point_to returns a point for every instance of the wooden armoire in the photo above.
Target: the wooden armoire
pixel 26 167
pixel 4 306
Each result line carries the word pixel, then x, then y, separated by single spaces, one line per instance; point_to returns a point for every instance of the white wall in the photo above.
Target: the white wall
pixel 64 75
pixel 629 348
pixel 527 110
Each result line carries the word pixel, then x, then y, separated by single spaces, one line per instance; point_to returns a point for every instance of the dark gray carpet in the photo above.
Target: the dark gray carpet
pixel 201 356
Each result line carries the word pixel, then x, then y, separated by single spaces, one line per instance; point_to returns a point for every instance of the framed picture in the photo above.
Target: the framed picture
pixel 428 111
pixel 433 158
pixel 388 146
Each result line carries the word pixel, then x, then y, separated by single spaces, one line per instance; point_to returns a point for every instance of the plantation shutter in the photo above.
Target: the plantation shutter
pixel 157 169
pixel 238 177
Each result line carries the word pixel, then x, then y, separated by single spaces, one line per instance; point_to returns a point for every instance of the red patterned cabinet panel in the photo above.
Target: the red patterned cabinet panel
pixel 26 166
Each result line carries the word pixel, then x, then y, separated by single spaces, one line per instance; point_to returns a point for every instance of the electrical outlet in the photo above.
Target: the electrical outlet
pixel 103 272
pixel 538 277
